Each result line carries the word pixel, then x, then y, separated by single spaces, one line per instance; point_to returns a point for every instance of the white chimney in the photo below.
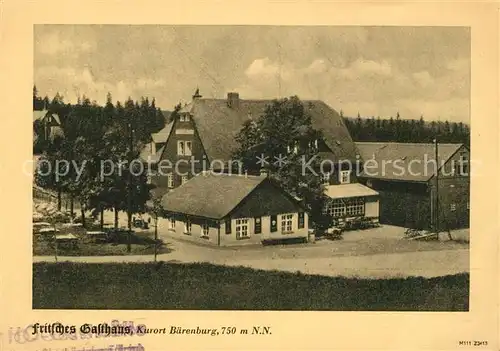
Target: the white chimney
pixel 153 148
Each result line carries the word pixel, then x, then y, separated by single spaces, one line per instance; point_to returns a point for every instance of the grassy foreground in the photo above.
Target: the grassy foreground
pixel 204 286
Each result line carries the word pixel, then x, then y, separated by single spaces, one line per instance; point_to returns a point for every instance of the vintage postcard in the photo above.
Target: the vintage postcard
pixel 229 176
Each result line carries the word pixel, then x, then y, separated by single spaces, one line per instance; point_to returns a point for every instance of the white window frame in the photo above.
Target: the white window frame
pixel 344 177
pixel 355 207
pixel 184 148
pixel 184 179
pixel 286 223
pixel 453 207
pixel 188 148
pixel 181 148
pixel 188 226
pixel 205 230
pixel 335 208
pixel 464 164
pixel 170 180
pixel 242 227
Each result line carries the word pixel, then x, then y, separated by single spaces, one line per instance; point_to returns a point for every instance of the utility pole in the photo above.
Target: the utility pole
pixel 436 204
pixel 279 71
pixel 129 197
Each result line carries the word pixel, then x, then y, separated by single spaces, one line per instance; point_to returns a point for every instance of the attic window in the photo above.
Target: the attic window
pixel 184 117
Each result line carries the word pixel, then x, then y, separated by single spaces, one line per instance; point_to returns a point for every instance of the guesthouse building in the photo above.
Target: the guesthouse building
pixel 223 210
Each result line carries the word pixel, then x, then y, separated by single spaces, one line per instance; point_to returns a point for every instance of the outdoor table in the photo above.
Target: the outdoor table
pixel 48 230
pixel 69 239
pixel 40 225
pixel 97 235
pixel 72 225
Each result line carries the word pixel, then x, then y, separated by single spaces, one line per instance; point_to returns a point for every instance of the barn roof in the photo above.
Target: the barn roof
pixel 412 159
pixel 218 124
pixel 210 195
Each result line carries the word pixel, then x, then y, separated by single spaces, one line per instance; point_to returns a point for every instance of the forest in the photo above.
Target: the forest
pixel 398 129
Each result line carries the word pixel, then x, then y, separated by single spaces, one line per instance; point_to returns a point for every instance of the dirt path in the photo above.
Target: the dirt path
pixel 424 263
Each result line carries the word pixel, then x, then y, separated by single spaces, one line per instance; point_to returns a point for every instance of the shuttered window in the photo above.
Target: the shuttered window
pixel 301 220
pixel 228 226
pixel 274 223
pixel 258 225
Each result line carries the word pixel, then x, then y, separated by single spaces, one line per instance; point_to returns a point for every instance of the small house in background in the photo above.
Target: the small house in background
pixel 49 125
pixel 404 174
pixel 225 209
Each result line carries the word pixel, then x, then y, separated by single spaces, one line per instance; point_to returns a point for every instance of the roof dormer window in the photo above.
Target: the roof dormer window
pixel 184 117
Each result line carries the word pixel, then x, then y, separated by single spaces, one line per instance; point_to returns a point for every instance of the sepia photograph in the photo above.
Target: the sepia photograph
pixel 231 175
pixel 251 167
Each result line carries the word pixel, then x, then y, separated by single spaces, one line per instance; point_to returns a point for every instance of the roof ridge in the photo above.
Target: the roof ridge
pixel 402 143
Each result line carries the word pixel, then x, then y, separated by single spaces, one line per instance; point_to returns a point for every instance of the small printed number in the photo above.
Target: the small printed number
pixel 228 330
pixel 472 343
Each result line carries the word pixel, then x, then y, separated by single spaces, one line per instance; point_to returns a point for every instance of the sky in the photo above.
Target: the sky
pixel 373 71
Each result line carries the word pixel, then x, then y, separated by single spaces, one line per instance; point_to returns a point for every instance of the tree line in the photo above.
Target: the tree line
pixel 406 130
pixel 95 135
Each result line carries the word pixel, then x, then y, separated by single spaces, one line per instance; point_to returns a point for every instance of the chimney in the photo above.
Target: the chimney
pixel 233 100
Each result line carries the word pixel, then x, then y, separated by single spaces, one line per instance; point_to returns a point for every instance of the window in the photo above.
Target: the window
pixel 355 207
pixel 184 179
pixel 205 229
pixel 464 165
pixel 453 207
pixel 257 225
pixel 184 148
pixel 345 177
pixel 189 150
pixel 148 180
pixel 187 227
pixel 184 117
pixel 180 148
pixel 326 178
pixel 301 220
pixel 335 208
pixel 171 223
pixel 170 180
pixel 286 223
pixel 228 226
pixel 242 228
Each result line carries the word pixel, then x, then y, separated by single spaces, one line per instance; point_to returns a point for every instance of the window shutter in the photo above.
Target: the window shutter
pixel 301 220
pixel 274 223
pixel 228 226
pixel 257 225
